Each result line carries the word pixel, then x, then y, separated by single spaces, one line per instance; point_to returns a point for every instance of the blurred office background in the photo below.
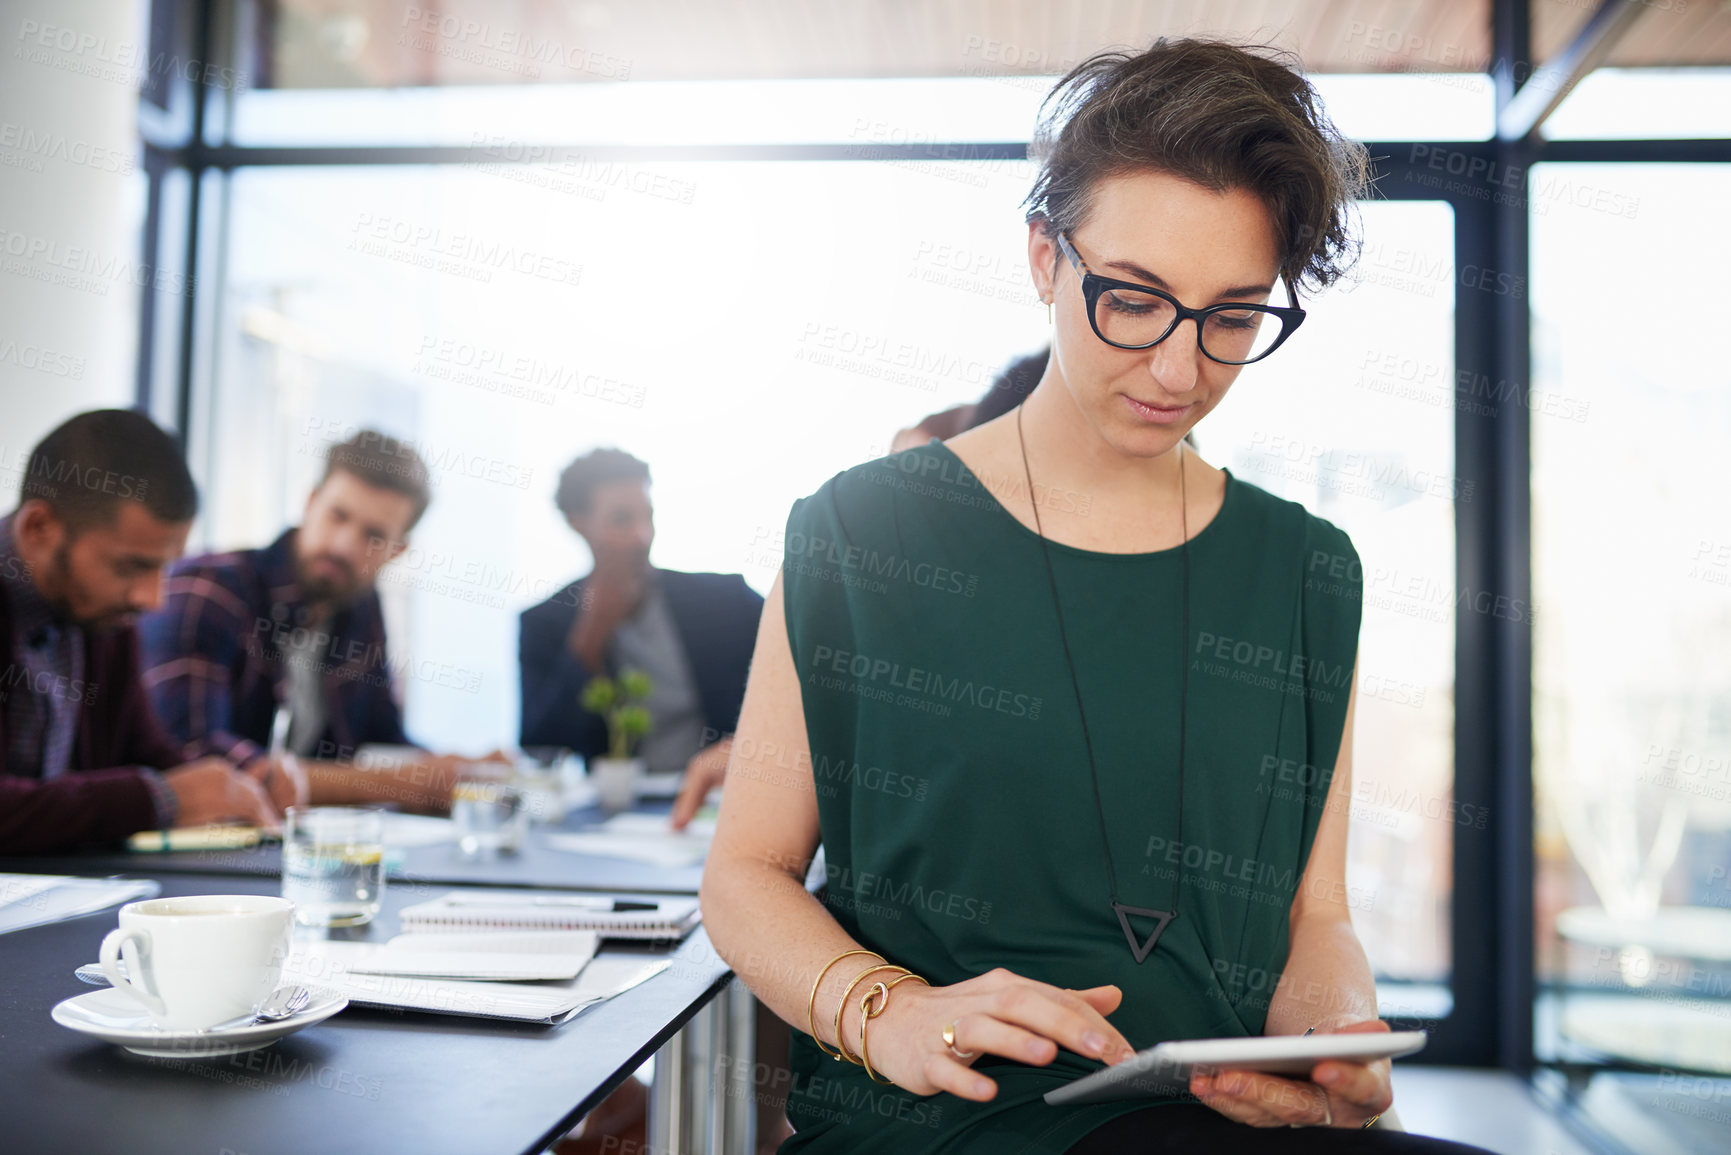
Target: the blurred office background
pixel 749 240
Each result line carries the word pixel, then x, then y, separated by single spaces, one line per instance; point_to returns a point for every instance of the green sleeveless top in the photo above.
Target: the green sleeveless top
pixel 958 824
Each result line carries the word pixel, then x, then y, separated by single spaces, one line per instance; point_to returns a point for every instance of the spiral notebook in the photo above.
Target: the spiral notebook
pixel 634 917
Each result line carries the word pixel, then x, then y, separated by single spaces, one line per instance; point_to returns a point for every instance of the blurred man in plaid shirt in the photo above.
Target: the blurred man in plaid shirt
pixel 297 625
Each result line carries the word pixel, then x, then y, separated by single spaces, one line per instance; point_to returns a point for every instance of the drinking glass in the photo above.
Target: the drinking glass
pixel 490 811
pixel 333 863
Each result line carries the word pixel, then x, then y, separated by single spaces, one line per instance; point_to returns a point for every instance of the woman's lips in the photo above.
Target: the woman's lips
pixel 1156 414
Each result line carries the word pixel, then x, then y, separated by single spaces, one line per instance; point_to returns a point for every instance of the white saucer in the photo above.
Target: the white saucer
pixel 116 1017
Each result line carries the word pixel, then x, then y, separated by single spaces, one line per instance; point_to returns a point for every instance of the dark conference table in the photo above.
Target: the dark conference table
pixel 368 1080
pixel 438 866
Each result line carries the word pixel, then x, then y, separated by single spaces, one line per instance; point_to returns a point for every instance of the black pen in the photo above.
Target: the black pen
pixel 583 902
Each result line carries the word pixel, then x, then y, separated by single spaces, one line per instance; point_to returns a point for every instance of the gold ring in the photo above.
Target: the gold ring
pixel 1371 1122
pixel 950 1042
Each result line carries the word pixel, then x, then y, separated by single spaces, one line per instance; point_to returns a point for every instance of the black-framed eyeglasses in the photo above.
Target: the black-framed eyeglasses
pixel 1126 315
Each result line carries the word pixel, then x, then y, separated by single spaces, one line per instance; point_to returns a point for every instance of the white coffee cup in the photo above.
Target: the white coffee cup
pixel 198 961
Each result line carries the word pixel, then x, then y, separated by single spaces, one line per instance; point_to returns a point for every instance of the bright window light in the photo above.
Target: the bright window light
pixel 1451 106
pixel 1646 104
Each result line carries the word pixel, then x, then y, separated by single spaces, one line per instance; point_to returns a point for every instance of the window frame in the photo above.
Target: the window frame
pixel 187 161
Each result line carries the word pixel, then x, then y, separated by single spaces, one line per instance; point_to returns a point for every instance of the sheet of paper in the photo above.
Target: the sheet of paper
pixel 550 1002
pixel 641 838
pixel 656 824
pixel 33 904
pixel 24 887
pixel 659 785
pixel 671 850
pixel 556 942
pixel 406 830
pixel 448 956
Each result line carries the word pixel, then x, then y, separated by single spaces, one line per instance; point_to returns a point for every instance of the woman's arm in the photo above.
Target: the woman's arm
pixel 777 937
pixel 1327 978
pixel 1327 984
pixel 759 915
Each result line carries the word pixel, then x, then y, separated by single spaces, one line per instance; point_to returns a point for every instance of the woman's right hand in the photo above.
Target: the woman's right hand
pixel 997 1013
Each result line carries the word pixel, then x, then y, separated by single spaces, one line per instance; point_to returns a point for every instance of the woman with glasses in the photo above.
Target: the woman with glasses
pixel 1066 706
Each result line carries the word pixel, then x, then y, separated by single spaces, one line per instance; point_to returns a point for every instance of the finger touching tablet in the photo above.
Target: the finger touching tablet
pixel 1165 1070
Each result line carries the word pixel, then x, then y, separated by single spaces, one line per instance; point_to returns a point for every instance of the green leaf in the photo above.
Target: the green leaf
pixel 633 721
pixel 635 685
pixel 599 695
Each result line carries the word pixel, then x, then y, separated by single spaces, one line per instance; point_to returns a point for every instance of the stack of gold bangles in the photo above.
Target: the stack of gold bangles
pixel 876 999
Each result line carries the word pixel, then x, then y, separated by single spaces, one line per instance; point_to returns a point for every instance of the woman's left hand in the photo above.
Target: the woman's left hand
pixel 1339 1094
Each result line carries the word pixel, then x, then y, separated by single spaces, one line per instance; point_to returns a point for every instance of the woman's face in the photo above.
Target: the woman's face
pixel 1200 246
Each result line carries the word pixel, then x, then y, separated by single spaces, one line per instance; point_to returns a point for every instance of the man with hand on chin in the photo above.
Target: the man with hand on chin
pixel 106 505
pixel 692 633
pixel 298 624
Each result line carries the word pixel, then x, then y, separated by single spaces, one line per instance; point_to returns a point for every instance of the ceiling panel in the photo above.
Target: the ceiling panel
pixel 384 43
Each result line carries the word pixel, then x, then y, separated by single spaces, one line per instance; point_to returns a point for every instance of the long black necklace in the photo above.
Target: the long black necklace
pixel 1162 918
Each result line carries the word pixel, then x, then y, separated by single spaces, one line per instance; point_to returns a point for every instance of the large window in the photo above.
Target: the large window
pixel 505 318
pixel 750 254
pixel 1354 418
pixel 1632 671
pixel 707 317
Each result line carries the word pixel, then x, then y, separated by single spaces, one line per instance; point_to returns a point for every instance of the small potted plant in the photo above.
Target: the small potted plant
pixel 620 704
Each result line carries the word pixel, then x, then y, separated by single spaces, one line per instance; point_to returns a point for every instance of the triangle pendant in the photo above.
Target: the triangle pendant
pixel 1163 919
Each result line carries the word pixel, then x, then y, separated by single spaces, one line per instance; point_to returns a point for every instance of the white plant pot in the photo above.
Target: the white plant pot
pixel 616 781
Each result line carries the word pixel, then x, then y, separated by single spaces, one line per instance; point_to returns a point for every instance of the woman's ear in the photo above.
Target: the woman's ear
pixel 1042 259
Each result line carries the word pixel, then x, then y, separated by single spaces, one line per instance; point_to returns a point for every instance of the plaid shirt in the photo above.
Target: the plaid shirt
pixel 45 681
pixel 43 687
pixel 216 657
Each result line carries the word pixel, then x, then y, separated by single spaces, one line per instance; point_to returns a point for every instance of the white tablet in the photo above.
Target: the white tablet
pixel 1164 1070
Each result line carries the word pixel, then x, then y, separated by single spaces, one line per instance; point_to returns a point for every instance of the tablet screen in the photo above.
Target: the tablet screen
pixel 1164 1070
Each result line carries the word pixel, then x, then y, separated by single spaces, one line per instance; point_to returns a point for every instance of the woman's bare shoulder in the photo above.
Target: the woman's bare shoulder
pixel 990 449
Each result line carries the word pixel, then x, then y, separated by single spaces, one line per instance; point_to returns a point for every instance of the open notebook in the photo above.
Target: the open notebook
pixel 637 916
pixel 558 974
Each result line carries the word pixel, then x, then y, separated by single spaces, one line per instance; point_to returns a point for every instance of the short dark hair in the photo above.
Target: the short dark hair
pixel 95 461
pixel 387 462
pixel 580 480
pixel 1218 114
